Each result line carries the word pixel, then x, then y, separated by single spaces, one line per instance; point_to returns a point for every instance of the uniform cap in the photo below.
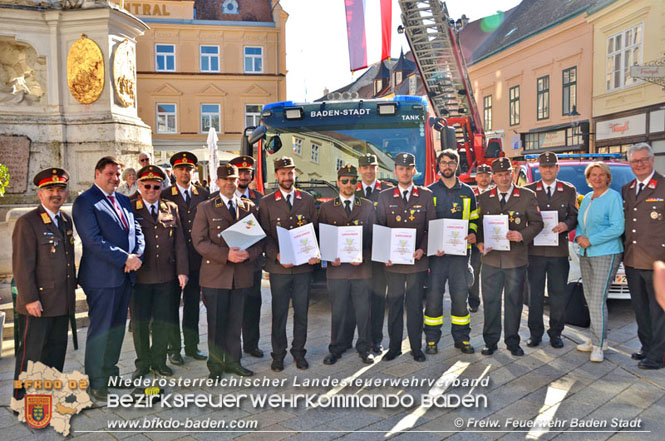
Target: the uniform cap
pixel 368 159
pixel 501 164
pixel 347 170
pixel 405 159
pixel 151 173
pixel 548 158
pixel 284 162
pixel 227 170
pixel 50 177
pixel 484 168
pixel 183 159
pixel 243 162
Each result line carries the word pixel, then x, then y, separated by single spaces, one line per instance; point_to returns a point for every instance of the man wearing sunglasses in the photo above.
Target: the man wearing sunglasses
pixel 406 206
pixel 453 200
pixel 348 283
pixel 161 277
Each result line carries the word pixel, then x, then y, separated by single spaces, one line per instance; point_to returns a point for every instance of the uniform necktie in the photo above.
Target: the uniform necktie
pixel 232 209
pixel 187 198
pixel 549 192
pixel 503 199
pixel 61 225
pixel 288 201
pixel 640 188
pixel 118 212
pixel 347 207
pixel 368 192
pixel 153 212
pixel 406 193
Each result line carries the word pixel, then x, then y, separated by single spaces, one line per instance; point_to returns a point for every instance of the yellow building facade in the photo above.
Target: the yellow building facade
pixel 207 63
pixel 536 93
pixel 627 109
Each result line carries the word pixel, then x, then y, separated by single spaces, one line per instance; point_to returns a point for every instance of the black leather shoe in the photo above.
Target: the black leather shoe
pixel 473 308
pixel 140 372
pixel 176 359
pixel 639 355
pixel 418 356
pixel 377 348
pixel 331 359
pixel 533 342
pixel 649 364
pixel 488 350
pixel 255 352
pixel 100 394
pixel 431 348
pixel 516 351
pixel 465 347
pixel 239 370
pixel 163 370
pixel 301 363
pixel 556 342
pixel 277 365
pixel 196 354
pixel 391 355
pixel 367 358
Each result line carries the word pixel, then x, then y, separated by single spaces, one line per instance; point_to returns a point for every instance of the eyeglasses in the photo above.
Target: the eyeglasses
pixel 640 161
pixel 144 160
pixel 448 164
pixel 152 187
pixel 346 181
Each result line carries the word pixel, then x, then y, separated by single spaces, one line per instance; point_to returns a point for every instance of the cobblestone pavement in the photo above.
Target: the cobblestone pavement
pixel 552 387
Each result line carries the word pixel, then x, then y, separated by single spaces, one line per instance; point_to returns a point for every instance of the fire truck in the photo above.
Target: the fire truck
pixel 447 117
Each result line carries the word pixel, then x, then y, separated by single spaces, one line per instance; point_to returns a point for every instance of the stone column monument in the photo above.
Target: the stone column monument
pixel 67 90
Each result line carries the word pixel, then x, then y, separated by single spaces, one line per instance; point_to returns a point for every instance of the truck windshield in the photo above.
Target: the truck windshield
pixel 330 135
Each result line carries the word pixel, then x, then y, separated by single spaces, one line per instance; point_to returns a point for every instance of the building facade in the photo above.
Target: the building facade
pixel 207 63
pixel 627 109
pixel 532 78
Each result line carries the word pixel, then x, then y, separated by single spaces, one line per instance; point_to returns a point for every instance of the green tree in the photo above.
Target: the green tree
pixel 4 179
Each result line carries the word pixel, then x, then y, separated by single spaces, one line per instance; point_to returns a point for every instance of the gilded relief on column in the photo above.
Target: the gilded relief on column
pixel 124 73
pixel 85 70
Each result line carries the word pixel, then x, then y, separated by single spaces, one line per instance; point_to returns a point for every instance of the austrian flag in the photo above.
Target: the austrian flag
pixel 358 27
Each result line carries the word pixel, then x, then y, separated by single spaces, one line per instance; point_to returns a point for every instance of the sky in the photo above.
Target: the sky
pixel 317 54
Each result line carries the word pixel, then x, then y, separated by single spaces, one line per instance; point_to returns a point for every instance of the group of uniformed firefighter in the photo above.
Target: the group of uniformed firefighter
pixel 172 250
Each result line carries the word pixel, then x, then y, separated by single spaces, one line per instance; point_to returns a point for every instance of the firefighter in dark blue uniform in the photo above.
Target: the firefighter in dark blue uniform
pixel 252 311
pixel 453 200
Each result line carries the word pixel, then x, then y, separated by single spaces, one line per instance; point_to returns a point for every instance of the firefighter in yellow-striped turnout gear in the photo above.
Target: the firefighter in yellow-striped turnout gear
pixel 453 200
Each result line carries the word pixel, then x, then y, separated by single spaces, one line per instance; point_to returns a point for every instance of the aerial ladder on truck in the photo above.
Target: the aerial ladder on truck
pixel 434 41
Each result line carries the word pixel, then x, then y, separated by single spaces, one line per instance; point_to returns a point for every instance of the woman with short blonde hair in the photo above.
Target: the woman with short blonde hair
pixel 129 184
pixel 599 229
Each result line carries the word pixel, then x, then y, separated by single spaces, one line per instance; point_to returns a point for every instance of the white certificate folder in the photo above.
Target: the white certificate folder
pixel 396 245
pixel 447 235
pixel 244 233
pixel 547 237
pixel 298 245
pixel 344 242
pixel 495 230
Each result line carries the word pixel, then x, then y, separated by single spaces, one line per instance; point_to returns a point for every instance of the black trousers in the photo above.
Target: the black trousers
pixel 42 339
pixel 648 313
pixel 349 295
pixel 191 296
pixel 377 308
pixel 152 302
pixel 451 269
pixel 474 291
pixel 252 315
pixel 107 312
pixel 287 288
pixel 224 312
pixel 409 289
pixel 556 269
pixel 510 282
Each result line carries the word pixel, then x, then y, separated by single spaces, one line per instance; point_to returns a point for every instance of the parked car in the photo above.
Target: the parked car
pixel 571 169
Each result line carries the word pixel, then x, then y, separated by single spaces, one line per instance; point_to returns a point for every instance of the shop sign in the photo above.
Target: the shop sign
pixel 621 127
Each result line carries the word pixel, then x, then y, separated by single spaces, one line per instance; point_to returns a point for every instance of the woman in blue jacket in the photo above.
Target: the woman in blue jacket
pixel 599 229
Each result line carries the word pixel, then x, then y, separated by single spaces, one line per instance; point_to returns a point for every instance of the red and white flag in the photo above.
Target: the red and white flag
pixel 363 30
